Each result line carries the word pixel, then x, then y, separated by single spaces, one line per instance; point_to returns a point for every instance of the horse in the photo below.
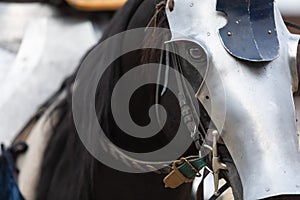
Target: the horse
pixel 65 169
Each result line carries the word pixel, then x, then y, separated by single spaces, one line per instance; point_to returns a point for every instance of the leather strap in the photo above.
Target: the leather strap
pixel 184 171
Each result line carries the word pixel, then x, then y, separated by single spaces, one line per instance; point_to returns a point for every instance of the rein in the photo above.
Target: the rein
pixel 292 25
pixel 193 123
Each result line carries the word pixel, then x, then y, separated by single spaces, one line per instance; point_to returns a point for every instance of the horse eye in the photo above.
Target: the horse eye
pixel 195 52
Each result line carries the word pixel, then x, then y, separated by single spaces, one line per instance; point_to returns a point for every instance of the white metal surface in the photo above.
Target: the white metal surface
pixel 289 7
pixel 251 104
pixel 38 48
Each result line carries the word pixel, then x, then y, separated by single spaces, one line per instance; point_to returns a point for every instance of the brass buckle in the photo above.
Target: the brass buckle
pixel 192 166
pixel 175 178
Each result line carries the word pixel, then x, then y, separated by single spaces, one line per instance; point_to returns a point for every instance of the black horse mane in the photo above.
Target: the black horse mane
pixel 68 170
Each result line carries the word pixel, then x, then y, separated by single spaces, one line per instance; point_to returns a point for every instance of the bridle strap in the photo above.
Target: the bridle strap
pixel 186 100
pixel 221 191
pixel 200 188
pixel 292 25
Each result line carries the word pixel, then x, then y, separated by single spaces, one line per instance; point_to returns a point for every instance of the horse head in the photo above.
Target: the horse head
pixel 247 59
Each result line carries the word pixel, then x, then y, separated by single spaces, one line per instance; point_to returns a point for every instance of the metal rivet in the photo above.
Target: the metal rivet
pixel 267 189
pixel 191 4
pixel 229 33
pixel 270 32
pixel 208 33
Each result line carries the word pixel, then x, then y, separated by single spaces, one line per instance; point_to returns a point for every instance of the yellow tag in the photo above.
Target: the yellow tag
pixel 96 5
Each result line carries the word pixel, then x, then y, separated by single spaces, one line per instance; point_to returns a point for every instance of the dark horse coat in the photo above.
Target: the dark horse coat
pixel 67 170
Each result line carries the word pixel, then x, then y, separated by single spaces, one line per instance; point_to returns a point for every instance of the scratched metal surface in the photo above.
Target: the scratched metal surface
pixel 40 45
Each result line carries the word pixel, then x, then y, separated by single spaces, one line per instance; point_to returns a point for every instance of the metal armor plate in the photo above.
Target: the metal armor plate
pixel 250 33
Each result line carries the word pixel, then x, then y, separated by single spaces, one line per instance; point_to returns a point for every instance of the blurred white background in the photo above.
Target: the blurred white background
pixel 289 7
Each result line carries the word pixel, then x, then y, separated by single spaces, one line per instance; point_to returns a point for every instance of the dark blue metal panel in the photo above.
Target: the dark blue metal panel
pixel 250 33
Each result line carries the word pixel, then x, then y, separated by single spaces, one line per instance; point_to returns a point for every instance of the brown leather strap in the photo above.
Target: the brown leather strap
pixel 27 129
